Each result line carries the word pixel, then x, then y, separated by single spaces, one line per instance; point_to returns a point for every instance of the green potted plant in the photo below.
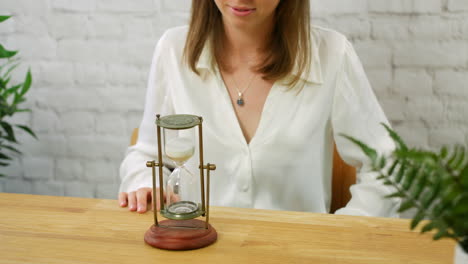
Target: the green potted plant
pixel 435 184
pixel 11 96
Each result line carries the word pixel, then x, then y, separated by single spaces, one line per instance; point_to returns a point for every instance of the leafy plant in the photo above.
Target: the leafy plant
pixel 11 96
pixel 434 183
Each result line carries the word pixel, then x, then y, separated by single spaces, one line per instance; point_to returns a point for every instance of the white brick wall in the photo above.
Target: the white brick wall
pixel 90 61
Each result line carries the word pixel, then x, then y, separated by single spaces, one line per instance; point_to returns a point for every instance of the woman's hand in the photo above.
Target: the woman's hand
pixel 138 200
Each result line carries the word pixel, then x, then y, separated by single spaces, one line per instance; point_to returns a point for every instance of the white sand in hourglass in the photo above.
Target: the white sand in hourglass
pixel 180 149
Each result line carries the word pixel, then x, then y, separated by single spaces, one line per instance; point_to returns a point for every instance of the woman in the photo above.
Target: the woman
pixel 275 93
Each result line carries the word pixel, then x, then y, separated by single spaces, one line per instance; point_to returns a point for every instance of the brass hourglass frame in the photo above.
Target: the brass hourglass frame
pixel 205 196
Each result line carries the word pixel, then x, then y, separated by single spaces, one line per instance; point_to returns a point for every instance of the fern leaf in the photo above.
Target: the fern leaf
pixel 401 172
pixel 461 207
pixel 428 227
pixel 443 152
pixel 453 156
pixel 370 152
pixel 417 219
pixel 4 157
pixel 430 196
pixel 396 195
pixel 387 182
pixel 393 166
pixel 460 159
pixel 464 176
pixel 440 234
pixel 382 162
pixel 406 206
pixel 395 137
pixel 421 183
pixel 409 178
pixel 417 156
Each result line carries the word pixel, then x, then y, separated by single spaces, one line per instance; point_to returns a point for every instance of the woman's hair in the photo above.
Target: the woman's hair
pixel 289 48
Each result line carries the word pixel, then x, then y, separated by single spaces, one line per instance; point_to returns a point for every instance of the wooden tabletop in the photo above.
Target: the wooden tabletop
pixel 47 229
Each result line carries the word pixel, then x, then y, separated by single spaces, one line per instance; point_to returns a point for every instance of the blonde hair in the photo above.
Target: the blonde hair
pixel 288 50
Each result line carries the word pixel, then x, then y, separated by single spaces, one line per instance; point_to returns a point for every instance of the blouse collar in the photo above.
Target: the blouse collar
pixel 313 76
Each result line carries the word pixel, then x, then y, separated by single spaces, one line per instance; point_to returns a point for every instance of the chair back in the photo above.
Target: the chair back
pixel 344 176
pixel 134 137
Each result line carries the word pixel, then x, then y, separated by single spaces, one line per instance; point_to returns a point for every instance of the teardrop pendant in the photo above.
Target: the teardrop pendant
pixel 240 100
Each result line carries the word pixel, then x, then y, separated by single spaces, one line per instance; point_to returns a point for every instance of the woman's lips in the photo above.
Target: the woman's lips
pixel 241 11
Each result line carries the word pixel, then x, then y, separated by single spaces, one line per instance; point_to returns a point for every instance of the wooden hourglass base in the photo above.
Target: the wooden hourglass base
pixel 192 235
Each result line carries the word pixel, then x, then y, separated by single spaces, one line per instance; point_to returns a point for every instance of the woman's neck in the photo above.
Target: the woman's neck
pixel 245 46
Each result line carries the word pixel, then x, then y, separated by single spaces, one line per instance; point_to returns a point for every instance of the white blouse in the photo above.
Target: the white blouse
pixel 288 163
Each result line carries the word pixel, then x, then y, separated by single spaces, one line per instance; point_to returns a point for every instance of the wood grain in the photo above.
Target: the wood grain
pixel 47 229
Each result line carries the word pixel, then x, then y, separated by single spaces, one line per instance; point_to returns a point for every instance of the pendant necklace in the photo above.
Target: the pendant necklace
pixel 240 95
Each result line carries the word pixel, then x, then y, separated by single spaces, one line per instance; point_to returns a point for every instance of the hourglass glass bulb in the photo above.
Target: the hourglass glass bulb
pixel 180 149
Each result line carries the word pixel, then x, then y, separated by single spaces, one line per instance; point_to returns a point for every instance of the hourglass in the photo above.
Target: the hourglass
pixel 182 195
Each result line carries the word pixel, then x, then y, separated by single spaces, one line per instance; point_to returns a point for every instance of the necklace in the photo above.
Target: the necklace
pixel 240 95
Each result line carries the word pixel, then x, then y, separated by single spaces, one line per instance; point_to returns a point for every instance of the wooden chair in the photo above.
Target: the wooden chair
pixel 344 176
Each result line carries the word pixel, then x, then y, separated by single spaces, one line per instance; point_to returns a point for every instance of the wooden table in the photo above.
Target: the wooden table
pixel 46 229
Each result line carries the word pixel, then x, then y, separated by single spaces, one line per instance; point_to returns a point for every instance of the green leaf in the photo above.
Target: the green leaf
pixel 13 89
pixel 440 234
pixel 5 157
pixel 428 227
pixel 464 176
pixel 449 195
pixel 396 195
pixel 461 157
pixel 443 152
pixel 9 130
pixel 401 171
pixel 370 152
pixel 430 196
pixel 382 162
pixel 23 110
pixel 417 156
pixel 420 185
pixel 3 18
pixel 27 130
pixel 4 53
pixel 406 205
pixel 11 148
pixel 461 207
pixel 27 83
pixel 8 64
pixel 392 168
pixel 10 69
pixel 18 98
pixel 409 178
pixel 453 156
pixel 395 137
pixel 419 216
